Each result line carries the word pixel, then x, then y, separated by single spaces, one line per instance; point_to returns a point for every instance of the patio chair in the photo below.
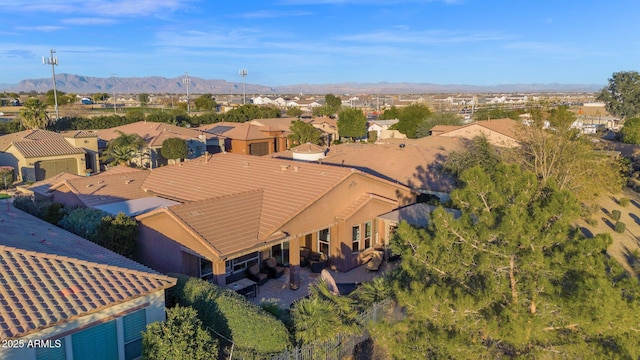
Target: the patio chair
pixel 317 263
pixel 274 270
pixel 305 254
pixel 254 274
pixel 377 257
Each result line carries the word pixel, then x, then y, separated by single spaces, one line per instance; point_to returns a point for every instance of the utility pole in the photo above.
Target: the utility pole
pixel 187 81
pixel 53 61
pixel 113 87
pixel 243 73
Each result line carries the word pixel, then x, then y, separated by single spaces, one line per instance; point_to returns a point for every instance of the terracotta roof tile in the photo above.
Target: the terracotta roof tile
pixel 288 187
pixel 51 276
pixel 42 187
pixel 40 148
pixel 239 212
pixel 150 132
pixel 80 134
pixel 237 131
pixel 108 188
pixel 28 135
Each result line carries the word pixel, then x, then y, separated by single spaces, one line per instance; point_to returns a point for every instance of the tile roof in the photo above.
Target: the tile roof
pixel 240 212
pixel 108 188
pixel 275 124
pixel 308 148
pixel 414 165
pixel 288 187
pixel 51 276
pixel 237 131
pixel 153 133
pixel 43 148
pixel 28 135
pixel 42 187
pixel 79 134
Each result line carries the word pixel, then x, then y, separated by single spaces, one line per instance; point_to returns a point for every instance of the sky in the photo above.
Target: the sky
pixel 287 42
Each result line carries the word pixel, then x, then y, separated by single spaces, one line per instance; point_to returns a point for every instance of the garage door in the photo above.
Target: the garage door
pixel 48 168
pixel 259 149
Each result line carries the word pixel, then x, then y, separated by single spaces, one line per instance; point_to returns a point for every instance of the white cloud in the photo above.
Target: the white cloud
pixel 41 28
pixel 89 21
pixel 109 8
pixel 401 35
pixel 263 14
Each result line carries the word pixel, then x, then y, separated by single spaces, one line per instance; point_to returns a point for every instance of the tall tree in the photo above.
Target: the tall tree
pixel 510 278
pixel 411 117
pixel 123 148
pixel 143 98
pixel 631 131
pixel 302 133
pixel 174 148
pixel 205 102
pixel 390 114
pixel 439 118
pixel 182 336
pixel 33 114
pixel 294 111
pixel 333 102
pixel 352 123
pixel 622 95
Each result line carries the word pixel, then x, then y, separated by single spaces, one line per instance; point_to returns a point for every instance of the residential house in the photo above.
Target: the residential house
pixel 414 163
pixel 249 138
pixel 499 132
pixel 64 297
pixel 154 134
pixel 39 154
pixel 237 211
pixel 328 126
pixel 381 128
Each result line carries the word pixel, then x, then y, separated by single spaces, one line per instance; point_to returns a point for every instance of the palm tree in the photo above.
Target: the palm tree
pixel 323 315
pixel 33 114
pixel 123 148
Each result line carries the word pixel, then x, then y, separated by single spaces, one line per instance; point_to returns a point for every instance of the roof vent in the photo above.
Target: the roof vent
pixel 284 167
pixel 128 181
pixel 89 185
pixel 296 168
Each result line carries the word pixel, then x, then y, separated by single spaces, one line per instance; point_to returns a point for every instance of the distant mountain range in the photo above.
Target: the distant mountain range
pixel 79 84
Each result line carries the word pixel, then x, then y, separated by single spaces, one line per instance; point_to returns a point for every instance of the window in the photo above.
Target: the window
pixel 281 253
pixel 324 240
pixel 53 352
pixel 367 234
pixel 134 324
pixel 206 268
pixel 97 342
pixel 355 238
pixel 242 263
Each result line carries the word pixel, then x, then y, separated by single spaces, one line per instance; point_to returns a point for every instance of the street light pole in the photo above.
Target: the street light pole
pixel 243 73
pixel 187 81
pixel 53 61
pixel 114 93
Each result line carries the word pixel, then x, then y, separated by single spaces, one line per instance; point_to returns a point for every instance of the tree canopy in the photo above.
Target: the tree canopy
pixel 182 336
pixel 123 148
pixel 33 114
pixel 622 95
pixel 631 131
pixel 333 102
pixel 352 123
pixel 174 148
pixel 302 133
pixel 411 117
pixel 510 278
pixel 205 102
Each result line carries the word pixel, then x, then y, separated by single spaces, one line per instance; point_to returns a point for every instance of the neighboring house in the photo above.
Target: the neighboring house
pixel 237 211
pixel 39 154
pixel 415 214
pixel 499 132
pixel 380 126
pixel 154 134
pixel 248 138
pixel 328 126
pixel 414 163
pixel 64 297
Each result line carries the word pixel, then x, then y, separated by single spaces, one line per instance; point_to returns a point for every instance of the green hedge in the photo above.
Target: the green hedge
pixel 254 332
pixel 620 227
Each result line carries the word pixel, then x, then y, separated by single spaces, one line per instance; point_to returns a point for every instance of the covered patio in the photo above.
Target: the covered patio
pixel 278 289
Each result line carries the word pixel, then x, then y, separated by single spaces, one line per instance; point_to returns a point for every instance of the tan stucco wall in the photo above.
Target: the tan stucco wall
pixel 26 168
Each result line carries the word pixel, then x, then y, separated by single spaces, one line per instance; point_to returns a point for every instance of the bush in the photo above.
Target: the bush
pixel 118 234
pixel 83 222
pixel 592 222
pixel 43 209
pixel 255 333
pixel 180 337
pixel 624 202
pixel 615 215
pixel 620 227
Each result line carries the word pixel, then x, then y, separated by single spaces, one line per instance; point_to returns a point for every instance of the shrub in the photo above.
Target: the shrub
pixel 592 222
pixel 118 234
pixel 83 222
pixel 43 209
pixel 254 332
pixel 620 227
pixel 615 215
pixel 180 337
pixel 624 202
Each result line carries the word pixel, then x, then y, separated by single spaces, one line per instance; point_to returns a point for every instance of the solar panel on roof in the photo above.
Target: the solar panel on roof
pixel 219 129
